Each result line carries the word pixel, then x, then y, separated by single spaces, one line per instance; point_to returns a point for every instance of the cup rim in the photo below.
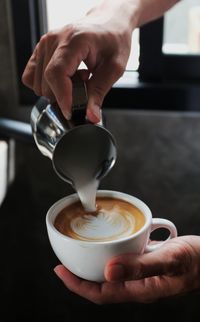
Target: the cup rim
pixel 63 202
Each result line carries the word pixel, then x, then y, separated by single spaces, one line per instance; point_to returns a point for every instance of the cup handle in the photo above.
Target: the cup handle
pixel 161 223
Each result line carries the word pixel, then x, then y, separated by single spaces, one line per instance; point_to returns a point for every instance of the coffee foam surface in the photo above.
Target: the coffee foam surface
pixel 113 219
pixel 105 225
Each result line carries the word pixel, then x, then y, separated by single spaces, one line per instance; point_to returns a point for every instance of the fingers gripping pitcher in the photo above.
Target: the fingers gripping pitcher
pixel 82 153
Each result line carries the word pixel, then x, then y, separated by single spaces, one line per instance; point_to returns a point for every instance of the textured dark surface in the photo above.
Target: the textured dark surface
pixel 158 161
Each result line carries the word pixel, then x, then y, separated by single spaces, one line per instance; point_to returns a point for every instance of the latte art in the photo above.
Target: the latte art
pixel 114 219
pixel 105 225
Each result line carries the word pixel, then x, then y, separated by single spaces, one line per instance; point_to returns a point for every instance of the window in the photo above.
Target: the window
pixel 182 28
pixel 181 42
pixel 170 46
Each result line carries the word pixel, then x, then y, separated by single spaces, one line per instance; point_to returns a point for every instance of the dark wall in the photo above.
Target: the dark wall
pixel 8 75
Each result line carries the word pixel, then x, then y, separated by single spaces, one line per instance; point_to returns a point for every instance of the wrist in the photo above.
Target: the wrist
pixel 137 12
pixel 126 11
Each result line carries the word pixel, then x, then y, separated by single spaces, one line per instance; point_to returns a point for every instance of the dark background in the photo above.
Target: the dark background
pixel 158 161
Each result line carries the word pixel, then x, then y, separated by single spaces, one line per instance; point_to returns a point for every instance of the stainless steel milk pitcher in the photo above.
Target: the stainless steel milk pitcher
pixel 76 147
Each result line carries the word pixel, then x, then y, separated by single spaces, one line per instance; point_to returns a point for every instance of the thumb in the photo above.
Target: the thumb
pixel 171 259
pixel 98 86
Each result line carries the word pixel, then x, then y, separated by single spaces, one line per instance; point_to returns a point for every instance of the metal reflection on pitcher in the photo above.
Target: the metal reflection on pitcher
pixel 82 153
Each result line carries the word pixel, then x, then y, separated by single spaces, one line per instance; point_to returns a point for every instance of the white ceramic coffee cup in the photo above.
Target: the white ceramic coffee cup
pixel 88 259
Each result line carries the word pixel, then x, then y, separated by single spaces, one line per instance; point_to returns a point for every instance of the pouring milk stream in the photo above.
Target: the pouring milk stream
pixel 82 153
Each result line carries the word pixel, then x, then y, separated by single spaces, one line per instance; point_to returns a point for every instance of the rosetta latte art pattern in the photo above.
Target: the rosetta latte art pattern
pixel 106 225
pixel 114 219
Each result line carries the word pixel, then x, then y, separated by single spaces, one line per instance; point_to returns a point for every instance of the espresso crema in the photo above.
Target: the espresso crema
pixel 114 219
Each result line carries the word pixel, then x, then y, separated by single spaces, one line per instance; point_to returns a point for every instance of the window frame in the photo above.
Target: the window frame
pixel 29 16
pixel 156 65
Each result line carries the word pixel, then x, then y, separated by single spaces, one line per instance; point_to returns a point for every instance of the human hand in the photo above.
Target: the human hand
pixel 169 271
pixel 102 40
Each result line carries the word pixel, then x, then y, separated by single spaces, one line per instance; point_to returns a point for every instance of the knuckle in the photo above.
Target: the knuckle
pixel 78 37
pixel 70 28
pixel 27 78
pixel 52 71
pixel 46 92
pixel 38 92
pixel 43 39
pixel 136 271
pixel 51 37
pixel 48 73
pixel 146 295
pixel 70 31
pixel 80 34
pixel 118 68
pixel 181 260
pixel 46 40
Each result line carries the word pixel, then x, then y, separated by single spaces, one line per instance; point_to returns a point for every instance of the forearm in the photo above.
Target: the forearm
pixel 138 12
